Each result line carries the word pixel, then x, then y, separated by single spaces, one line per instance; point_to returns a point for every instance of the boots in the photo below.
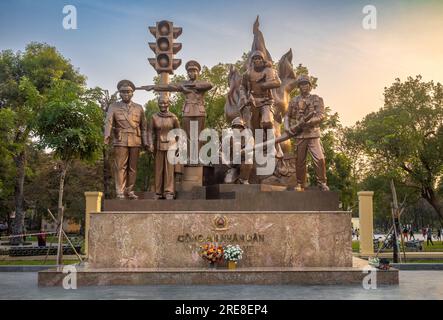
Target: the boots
pixel 131 195
pixel 169 196
pixel 157 196
pixel 323 187
pixel 242 181
pixel 300 187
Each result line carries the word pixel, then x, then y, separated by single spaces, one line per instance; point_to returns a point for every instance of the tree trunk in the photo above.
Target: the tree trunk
pixel 107 172
pixel 60 211
pixel 17 224
pixel 432 199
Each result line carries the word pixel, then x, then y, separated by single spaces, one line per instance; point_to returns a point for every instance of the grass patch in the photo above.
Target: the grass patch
pixel 355 245
pixel 423 261
pixel 437 247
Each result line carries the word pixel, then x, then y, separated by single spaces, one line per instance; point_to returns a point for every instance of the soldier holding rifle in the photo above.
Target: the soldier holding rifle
pixel 306 112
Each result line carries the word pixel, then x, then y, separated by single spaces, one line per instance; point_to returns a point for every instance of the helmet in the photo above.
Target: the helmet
pixel 238 122
pixel 192 64
pixel 303 79
pixel 125 83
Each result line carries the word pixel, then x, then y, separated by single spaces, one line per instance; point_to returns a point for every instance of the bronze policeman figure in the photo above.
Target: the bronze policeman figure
pixel 194 91
pixel 303 106
pixel 159 126
pixel 126 122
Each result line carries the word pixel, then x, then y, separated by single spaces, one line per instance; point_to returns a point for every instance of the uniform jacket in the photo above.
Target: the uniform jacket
pixel 250 85
pixel 300 107
pixel 159 127
pixel 127 124
pixel 194 105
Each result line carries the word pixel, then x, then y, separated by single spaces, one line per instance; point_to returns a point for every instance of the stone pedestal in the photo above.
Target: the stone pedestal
pixel 195 176
pixel 288 237
pixel 87 276
pixel 192 177
pixel 171 239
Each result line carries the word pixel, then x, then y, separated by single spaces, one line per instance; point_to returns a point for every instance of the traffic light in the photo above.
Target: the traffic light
pixel 164 47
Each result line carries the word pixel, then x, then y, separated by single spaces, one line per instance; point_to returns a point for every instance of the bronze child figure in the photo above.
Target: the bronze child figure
pixel 159 126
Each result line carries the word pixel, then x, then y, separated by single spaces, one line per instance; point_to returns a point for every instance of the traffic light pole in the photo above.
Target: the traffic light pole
pixel 164 78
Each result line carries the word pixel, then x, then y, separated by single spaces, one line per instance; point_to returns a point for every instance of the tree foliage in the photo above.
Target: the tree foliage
pixel 404 139
pixel 70 124
pixel 25 79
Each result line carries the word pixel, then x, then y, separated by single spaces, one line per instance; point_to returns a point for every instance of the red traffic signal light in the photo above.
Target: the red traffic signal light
pixel 164 47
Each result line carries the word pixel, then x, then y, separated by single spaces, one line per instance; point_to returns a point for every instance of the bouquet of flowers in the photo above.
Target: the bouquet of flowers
pixel 233 252
pixel 211 252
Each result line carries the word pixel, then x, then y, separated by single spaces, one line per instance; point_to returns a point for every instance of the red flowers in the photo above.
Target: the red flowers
pixel 211 252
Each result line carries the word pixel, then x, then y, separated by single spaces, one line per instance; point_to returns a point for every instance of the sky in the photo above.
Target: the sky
pixel 353 65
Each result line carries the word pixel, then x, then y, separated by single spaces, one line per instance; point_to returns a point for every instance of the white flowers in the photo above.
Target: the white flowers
pixel 233 252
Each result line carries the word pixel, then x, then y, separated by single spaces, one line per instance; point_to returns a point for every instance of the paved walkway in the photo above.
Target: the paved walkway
pixel 413 285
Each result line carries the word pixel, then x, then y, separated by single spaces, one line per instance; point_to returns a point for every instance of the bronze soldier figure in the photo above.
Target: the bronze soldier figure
pixel 256 98
pixel 311 106
pixel 194 91
pixel 126 121
pixel 255 92
pixel 159 126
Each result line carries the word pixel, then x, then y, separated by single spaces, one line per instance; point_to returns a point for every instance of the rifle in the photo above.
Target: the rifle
pixel 295 130
pixel 147 88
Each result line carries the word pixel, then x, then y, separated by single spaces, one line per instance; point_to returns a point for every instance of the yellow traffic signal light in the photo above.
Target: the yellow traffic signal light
pixel 164 47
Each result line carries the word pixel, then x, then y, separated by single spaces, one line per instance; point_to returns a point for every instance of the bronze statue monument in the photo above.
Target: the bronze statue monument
pixel 307 111
pixel 126 123
pixel 159 126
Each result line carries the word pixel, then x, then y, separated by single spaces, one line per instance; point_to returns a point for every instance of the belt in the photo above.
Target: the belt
pixel 128 130
pixel 261 96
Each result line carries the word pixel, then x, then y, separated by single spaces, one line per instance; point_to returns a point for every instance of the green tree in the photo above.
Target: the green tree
pixel 6 163
pixel 25 79
pixel 70 124
pixel 105 99
pixel 404 139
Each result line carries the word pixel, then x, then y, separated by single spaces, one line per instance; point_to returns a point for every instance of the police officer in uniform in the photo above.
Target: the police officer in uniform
pixel 126 123
pixel 194 91
pixel 307 105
